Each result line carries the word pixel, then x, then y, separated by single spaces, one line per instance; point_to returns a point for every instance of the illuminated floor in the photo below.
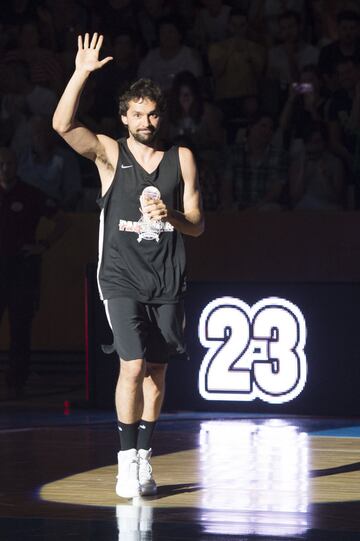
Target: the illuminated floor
pixel 220 478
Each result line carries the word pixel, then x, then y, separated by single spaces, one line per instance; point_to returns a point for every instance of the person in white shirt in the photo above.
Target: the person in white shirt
pixel 162 63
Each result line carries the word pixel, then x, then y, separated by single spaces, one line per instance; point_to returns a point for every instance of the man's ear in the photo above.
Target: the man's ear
pixel 124 120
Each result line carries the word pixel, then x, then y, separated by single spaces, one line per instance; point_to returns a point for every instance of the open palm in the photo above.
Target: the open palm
pixel 87 57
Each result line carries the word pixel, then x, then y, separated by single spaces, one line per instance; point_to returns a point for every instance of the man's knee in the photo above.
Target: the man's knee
pixel 132 371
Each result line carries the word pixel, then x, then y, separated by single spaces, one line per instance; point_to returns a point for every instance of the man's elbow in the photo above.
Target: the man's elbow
pixel 59 125
pixel 199 230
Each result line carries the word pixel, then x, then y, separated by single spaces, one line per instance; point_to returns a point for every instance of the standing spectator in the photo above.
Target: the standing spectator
pixel 347 46
pixel 21 207
pixel 162 63
pixel 237 65
pixel 257 170
pixel 316 178
pixel 286 60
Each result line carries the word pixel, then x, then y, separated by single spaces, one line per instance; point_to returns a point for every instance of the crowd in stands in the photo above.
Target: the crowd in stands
pixel 265 92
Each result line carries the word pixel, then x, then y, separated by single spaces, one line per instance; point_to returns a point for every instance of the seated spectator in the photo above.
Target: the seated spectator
pixel 344 113
pixel 115 78
pixel 316 177
pixel 248 111
pixel 211 24
pixel 237 65
pixel 186 12
pixel 286 60
pixel 49 167
pixel 347 46
pixel 150 13
pixel 21 97
pixel 265 15
pixel 162 63
pixel 43 66
pixel 322 28
pixel 305 105
pixel 114 14
pixel 193 117
pixel 70 18
pixel 257 170
pixel 197 123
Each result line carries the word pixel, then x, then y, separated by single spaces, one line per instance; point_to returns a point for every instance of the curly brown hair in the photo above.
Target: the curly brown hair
pixel 142 89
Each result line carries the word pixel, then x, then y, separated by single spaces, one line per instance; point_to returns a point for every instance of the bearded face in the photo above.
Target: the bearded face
pixel 143 120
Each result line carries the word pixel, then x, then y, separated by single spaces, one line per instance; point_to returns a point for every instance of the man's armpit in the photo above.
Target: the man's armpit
pixel 105 162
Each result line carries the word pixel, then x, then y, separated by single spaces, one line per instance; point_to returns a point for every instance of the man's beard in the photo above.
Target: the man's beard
pixel 146 138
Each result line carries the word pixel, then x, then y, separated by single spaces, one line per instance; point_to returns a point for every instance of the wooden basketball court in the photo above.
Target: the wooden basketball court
pixel 220 477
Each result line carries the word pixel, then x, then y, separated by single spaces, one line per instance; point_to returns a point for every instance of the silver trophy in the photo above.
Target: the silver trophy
pixel 149 229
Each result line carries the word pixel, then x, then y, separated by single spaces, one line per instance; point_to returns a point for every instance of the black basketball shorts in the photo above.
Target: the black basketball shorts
pixel 154 332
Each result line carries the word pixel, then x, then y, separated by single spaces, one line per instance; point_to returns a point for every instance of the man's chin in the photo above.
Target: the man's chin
pixel 145 138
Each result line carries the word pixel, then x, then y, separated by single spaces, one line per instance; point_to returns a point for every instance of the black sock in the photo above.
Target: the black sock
pixel 128 435
pixel 145 432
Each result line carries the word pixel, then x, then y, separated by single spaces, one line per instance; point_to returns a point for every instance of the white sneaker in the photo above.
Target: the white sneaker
pixel 127 485
pixel 147 483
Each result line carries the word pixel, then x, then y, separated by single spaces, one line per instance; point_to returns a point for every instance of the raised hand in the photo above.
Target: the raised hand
pixel 87 58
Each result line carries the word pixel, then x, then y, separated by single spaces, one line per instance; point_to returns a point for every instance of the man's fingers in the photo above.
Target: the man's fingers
pixel 106 60
pixel 99 42
pixel 80 42
pixel 86 41
pixel 94 40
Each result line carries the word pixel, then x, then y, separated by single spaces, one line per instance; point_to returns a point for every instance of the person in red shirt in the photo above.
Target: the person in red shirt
pixel 21 208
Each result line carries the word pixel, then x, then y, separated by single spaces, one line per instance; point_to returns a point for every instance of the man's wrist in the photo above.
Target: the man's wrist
pixel 81 73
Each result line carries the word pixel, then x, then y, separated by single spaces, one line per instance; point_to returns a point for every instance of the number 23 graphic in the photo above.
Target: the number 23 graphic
pixel 253 352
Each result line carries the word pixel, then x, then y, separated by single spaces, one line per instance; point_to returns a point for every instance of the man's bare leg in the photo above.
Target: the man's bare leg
pixel 129 405
pixel 153 391
pixel 129 395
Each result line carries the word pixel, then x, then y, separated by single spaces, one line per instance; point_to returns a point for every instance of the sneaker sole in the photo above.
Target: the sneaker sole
pixel 128 493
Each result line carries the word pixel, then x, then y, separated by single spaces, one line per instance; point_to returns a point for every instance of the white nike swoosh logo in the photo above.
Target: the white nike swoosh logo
pixel 142 426
pixel 125 166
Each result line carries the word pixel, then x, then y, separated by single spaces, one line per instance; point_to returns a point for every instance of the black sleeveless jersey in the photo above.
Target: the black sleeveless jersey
pixel 139 260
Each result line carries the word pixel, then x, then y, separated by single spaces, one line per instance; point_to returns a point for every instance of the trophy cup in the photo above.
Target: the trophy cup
pixel 149 229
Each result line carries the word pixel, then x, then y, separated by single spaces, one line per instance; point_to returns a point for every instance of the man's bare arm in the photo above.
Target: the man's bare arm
pixel 191 221
pixel 96 147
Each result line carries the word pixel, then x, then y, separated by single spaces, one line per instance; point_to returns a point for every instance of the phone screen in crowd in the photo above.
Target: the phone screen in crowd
pixel 303 88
